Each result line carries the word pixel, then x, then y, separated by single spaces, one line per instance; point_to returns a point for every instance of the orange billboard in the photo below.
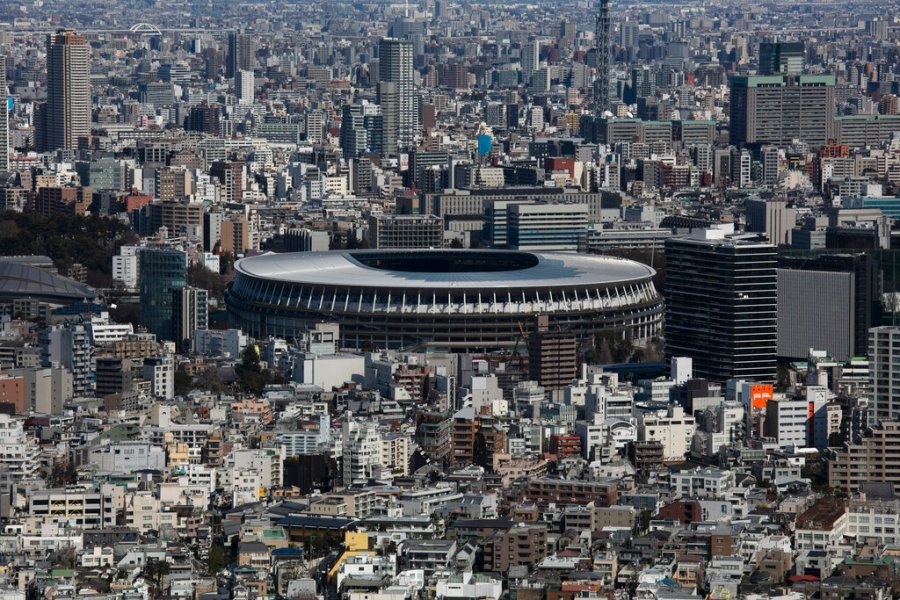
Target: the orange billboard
pixel 760 394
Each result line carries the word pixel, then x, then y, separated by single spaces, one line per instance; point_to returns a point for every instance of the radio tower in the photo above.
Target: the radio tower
pixel 601 84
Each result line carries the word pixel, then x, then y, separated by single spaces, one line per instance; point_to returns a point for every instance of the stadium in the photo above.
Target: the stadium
pixel 442 299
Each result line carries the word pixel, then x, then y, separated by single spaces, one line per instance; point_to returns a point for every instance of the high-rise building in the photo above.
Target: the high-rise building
pixel 873 458
pixel 546 226
pixel 772 217
pixel 769 157
pixel 552 356
pixel 386 125
pixel 244 86
pixel 315 126
pixel 531 59
pixel 231 176
pixel 162 271
pixel 721 304
pixel 69 346
pixel 4 126
pixel 567 33
pixel 778 109
pixel 237 234
pixel 628 35
pixel 405 231
pixel 395 65
pixel 843 290
pixel 241 53
pixel 204 118
pixel 354 137
pixel 177 217
pixel 190 313
pixel 781 58
pixel 68 108
pixel 361 450
pixel 643 83
pixel 884 350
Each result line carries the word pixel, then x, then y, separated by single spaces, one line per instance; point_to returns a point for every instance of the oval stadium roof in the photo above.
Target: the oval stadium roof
pixel 18 280
pixel 344 268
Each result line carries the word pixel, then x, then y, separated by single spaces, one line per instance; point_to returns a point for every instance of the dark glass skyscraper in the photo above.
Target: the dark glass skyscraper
pixel 162 271
pixel 781 58
pixel 721 304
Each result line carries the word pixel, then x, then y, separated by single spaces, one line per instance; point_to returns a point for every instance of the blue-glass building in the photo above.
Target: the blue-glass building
pixel 162 271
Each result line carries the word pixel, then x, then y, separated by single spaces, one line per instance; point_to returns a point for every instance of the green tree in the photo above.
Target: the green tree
pixel 201 277
pixel 182 381
pixel 250 359
pixel 154 571
pixel 217 560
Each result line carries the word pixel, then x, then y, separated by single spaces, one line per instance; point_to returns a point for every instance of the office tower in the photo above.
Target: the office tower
pixel 769 156
pixel 68 109
pixel 567 33
pixel 315 126
pixel 231 176
pixel 241 53
pixel 386 126
pixel 781 58
pixel 204 118
pixel 601 84
pixel 778 109
pixel 628 35
pixel 4 126
pixel 772 217
pixel 721 304
pixel 354 138
pixel 162 271
pixel 741 163
pixel 158 93
pixel 884 353
pixel 212 229
pixel 540 81
pixel 787 421
pixel 531 59
pixel 395 65
pixel 643 83
pixel 405 231
pixel 69 346
pixel 190 312
pixel 842 290
pixel 243 87
pixel 556 227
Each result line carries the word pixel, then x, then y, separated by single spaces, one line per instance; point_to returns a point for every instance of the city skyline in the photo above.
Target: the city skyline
pixel 440 300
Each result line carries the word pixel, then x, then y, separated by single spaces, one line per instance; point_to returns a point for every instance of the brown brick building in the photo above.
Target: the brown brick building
pixel 58 200
pixel 521 546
